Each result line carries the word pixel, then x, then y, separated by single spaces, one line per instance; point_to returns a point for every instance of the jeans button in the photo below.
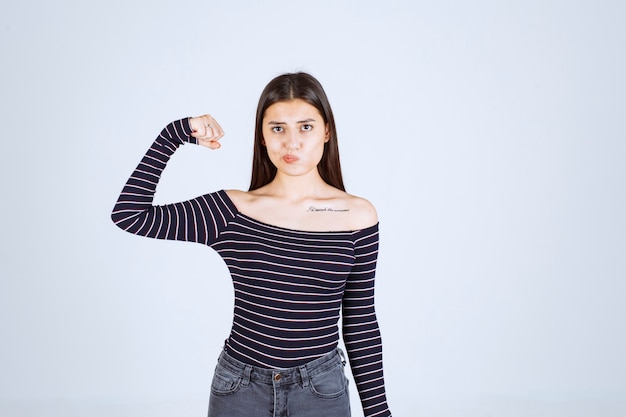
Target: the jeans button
pixel 277 377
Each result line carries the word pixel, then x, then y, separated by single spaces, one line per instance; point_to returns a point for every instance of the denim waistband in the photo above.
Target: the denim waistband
pixel 296 374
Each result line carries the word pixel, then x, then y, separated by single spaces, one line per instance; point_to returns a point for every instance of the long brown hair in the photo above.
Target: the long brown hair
pixel 287 87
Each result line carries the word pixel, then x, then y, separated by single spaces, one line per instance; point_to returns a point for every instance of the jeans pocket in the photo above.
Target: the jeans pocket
pixel 225 382
pixel 331 383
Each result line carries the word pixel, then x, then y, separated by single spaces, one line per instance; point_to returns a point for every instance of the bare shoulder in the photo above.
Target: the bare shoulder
pixel 236 194
pixel 364 213
pixel 252 203
pixel 241 199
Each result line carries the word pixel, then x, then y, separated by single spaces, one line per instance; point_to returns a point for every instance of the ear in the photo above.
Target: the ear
pixel 327 134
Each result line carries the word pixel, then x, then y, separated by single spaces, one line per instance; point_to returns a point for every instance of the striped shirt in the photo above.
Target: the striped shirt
pixel 290 286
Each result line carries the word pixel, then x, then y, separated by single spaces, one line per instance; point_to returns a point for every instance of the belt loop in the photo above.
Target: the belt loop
pixel 343 356
pixel 247 370
pixel 304 375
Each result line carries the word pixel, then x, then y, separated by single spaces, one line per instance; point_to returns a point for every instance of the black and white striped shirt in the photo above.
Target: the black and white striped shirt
pixel 290 285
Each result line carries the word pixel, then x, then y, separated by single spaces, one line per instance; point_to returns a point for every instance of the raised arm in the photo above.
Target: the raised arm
pixel 361 333
pixel 198 220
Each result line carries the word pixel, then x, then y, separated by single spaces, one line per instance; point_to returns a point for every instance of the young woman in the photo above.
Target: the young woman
pixel 300 250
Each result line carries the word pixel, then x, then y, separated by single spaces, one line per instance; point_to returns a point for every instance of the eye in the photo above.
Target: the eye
pixel 277 129
pixel 307 127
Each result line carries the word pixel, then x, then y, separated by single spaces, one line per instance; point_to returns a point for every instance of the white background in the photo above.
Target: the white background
pixel 489 134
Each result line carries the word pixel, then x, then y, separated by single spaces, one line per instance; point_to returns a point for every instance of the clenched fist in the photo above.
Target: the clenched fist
pixel 206 130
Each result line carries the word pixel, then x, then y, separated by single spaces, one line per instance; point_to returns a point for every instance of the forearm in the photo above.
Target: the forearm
pixel 364 347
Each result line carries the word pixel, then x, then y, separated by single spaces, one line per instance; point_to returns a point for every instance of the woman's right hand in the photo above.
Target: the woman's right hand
pixel 206 130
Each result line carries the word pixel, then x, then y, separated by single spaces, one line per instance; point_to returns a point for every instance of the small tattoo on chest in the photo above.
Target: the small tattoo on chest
pixel 326 209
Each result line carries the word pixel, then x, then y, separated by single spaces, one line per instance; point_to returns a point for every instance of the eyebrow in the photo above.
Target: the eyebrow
pixel 271 122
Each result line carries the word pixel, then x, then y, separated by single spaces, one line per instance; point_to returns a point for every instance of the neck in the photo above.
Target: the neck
pixel 297 187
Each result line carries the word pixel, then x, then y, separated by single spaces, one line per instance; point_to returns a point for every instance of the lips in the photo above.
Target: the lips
pixel 290 159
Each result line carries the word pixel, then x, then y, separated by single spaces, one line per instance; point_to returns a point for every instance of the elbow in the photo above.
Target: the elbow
pixel 118 217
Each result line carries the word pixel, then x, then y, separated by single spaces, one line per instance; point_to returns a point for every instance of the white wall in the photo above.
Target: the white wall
pixel 490 136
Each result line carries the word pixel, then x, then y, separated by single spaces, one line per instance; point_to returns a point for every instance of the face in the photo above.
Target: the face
pixel 294 134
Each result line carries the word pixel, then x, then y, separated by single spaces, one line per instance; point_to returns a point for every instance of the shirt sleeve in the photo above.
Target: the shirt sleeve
pixel 361 333
pixel 198 220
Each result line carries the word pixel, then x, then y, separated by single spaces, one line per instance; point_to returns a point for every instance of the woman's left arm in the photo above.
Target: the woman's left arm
pixel 361 333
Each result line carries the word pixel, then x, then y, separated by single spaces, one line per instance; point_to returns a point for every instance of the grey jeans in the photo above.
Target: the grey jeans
pixel 316 389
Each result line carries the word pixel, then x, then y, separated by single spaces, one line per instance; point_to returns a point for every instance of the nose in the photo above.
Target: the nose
pixel 293 142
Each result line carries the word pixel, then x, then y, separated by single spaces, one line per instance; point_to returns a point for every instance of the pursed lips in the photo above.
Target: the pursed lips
pixel 289 158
